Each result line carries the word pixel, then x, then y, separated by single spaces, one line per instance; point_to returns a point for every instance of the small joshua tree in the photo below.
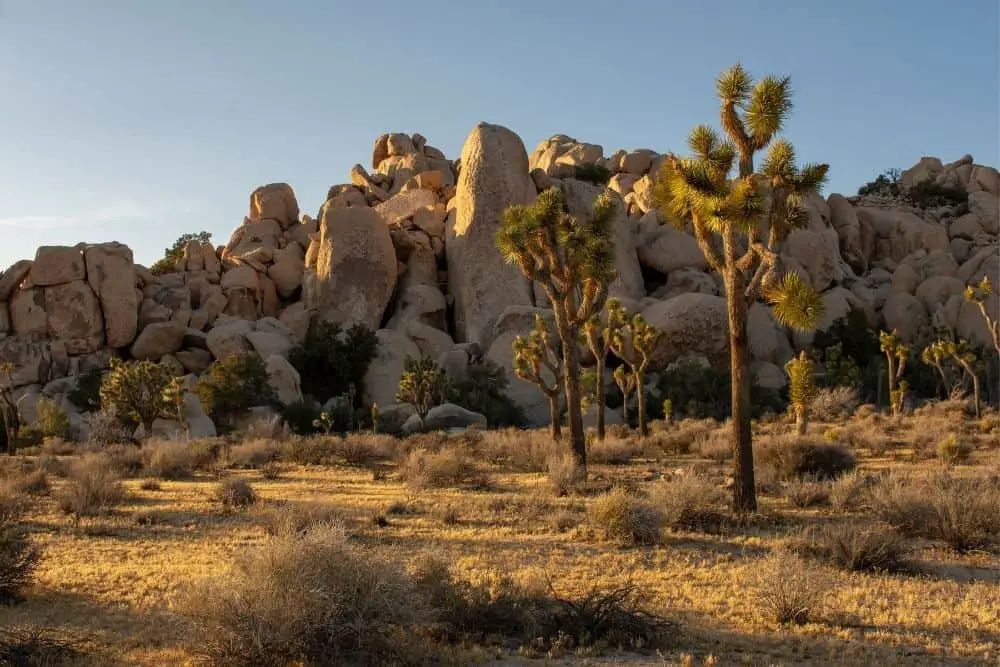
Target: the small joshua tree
pixel 980 295
pixel 896 353
pixel 963 355
pixel 626 382
pixel 534 354
pixel 633 341
pixel 802 389
pixel 935 355
pixel 10 417
pixel 598 338
pixel 573 262
pixel 138 392
pixel 422 385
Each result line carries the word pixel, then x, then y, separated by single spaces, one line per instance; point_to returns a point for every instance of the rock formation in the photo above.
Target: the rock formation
pixel 408 250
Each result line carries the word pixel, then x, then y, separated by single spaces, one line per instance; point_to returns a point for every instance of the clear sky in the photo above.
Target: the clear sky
pixel 140 120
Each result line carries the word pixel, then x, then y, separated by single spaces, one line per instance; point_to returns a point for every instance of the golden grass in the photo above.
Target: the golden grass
pixel 111 581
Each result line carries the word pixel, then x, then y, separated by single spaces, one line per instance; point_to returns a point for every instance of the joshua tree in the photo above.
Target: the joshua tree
pixel 980 295
pixel 139 392
pixel 10 417
pixel 626 382
pixel 801 390
pixel 422 385
pixel 935 355
pixel 598 339
pixel 740 222
pixel 532 354
pixel 896 353
pixel 633 341
pixel 963 355
pixel 573 261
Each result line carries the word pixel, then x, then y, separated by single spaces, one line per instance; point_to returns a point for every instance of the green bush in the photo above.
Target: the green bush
pixel 928 194
pixel 301 417
pixel 885 184
pixel 704 392
pixel 483 389
pixel 796 458
pixel 171 254
pixel 330 360
pixel 86 395
pixel 137 393
pixel 594 173
pixel 231 386
pixel 52 421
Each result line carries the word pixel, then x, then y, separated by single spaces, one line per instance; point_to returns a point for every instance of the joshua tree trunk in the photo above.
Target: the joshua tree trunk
pixel 571 379
pixel 801 419
pixel 640 398
pixel 600 397
pixel 975 384
pixel 555 427
pixel 744 486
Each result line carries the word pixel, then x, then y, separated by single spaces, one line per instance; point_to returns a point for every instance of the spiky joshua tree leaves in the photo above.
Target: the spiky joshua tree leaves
pixel 801 389
pixel 533 355
pixel 626 383
pixel 139 393
pixel 633 341
pixel 572 260
pixel 897 353
pixel 740 222
pixel 422 385
pixel 980 295
pixel 963 355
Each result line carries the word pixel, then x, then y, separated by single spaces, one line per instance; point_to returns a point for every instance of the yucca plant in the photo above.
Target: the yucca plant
pixel 422 385
pixel 633 341
pixel 626 383
pixel 801 389
pixel 965 357
pixel 980 295
pixel 573 261
pixel 897 353
pixel 534 354
pixel 597 336
pixel 935 355
pixel 740 222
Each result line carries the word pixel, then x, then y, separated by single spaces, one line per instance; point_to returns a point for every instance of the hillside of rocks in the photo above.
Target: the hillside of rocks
pixel 406 247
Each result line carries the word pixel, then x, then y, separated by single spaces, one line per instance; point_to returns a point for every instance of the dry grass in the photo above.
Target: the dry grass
pixel 93 487
pixel 116 577
pixel 623 517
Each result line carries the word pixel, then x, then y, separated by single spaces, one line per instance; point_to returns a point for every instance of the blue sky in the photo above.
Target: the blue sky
pixel 139 120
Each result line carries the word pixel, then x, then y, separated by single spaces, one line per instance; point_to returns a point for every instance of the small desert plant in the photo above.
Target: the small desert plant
pixel 28 647
pixel 800 457
pixel 856 547
pixel 951 450
pixel 691 502
pixel 125 460
pixel 624 517
pixel 592 172
pixel 231 386
pixel 92 487
pixel 447 468
pixel 137 393
pixel 612 450
pixel 29 482
pixel 807 492
pixel 422 385
pixel 106 428
pixel 252 453
pixel 314 599
pixel 849 492
pixel 51 419
pixel 86 393
pixel 170 460
pixel 291 519
pixel 564 473
pixel 717 446
pixel 18 558
pixel 235 494
pixel 331 360
pixel 517 450
pixel 833 403
pixel 788 589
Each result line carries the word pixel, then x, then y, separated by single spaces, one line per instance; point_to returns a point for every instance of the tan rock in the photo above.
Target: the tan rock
pixel 284 380
pixel 669 249
pixel 905 280
pixel 623 184
pixel 269 303
pixel 27 312
pixel 637 162
pixel 275 201
pixel 287 270
pixel 31 359
pixel 937 290
pixel 74 315
pixel 242 277
pixel 56 265
pixel 690 323
pixel 845 222
pixel 12 278
pixel 229 338
pixel 768 342
pixel 818 253
pixel 404 205
pixel 111 275
pixel 355 268
pixel 516 321
pixel 380 151
pixel 643 191
pixel 904 313
pixel 296 317
pixel 926 169
pixel 194 360
pixel 381 381
pixel 494 175
pixel 5 324
pixel 157 340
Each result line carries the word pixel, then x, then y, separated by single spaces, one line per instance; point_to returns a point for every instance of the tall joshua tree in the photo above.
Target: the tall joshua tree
pixel 980 295
pixel 963 355
pixel 573 261
pixel 626 382
pixel 740 222
pixel 801 389
pixel 597 335
pixel 897 353
pixel 633 341
pixel 533 354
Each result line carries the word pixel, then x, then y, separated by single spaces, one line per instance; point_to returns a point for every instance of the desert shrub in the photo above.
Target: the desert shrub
pixel 301 417
pixel 592 172
pixel 516 449
pixel 702 392
pixel 856 547
pixel 107 429
pixel 252 453
pixel 307 450
pixel 295 518
pixel 684 437
pixel 564 473
pixel 422 385
pixel 171 460
pixel 834 403
pixel 86 394
pixel 51 419
pixel 624 517
pixel 483 389
pixel 26 482
pixel 807 492
pixel 168 263
pixel 92 487
pixel 18 561
pixel 793 458
pixel 717 446
pixel 885 184
pixel 952 450
pixel 31 647
pixel 125 460
pixel 235 494
pixel 691 502
pixel 231 386
pixel 849 492
pixel 137 393
pixel 314 600
pixel 331 362
pixel 961 512
pixel 612 451
pixel 54 446
pixel 360 448
pixel 928 194
pixel 787 589
pixel 448 468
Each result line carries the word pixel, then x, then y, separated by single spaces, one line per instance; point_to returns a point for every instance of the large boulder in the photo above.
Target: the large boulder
pixel 513 322
pixel 111 274
pixel 31 359
pixel 445 416
pixel 275 201
pixel 905 313
pixel 158 339
pixel 818 252
pixel 74 315
pixel 284 380
pixel 690 323
pixel 229 338
pixel 55 265
pixel 494 175
pixel 355 270
pixel 381 381
pixel 845 222
pixel 667 249
pixel 27 313
pixel 12 278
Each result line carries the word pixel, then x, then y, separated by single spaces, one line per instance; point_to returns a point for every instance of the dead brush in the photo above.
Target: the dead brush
pixel 622 516
pixel 855 547
pixel 93 487
pixel 170 460
pixel 18 557
pixel 35 647
pixel 807 492
pixel 447 468
pixel 717 446
pixel 564 473
pixel 296 518
pixel 611 451
pixel 787 589
pixel 30 482
pixel 691 502
pixel 252 453
pixel 235 494
pixel 517 450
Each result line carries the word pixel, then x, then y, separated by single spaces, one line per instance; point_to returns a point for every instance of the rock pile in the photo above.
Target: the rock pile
pixel 408 250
